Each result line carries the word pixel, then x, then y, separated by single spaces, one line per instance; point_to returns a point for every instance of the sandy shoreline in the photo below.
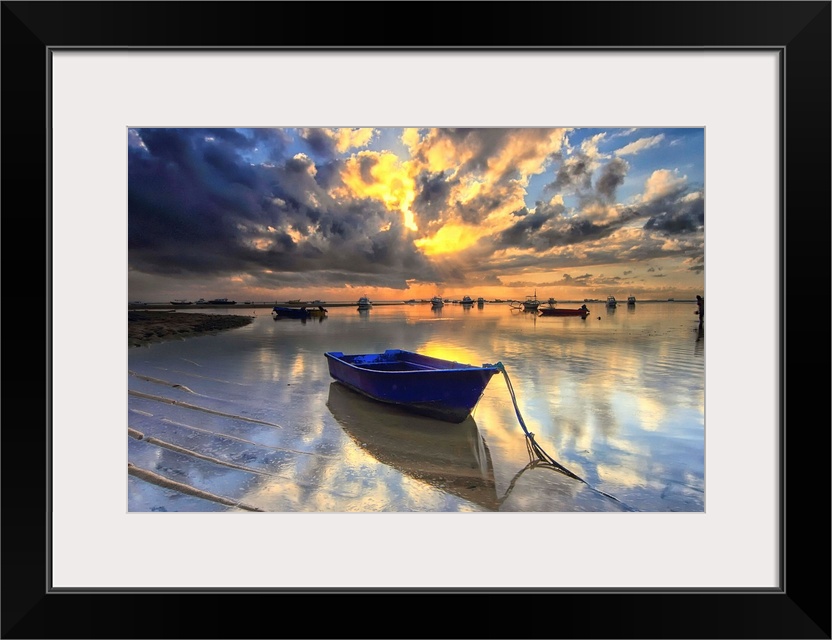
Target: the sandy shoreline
pixel 146 327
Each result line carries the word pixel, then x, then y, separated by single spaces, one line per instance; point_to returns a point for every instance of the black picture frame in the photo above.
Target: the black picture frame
pixel 799 608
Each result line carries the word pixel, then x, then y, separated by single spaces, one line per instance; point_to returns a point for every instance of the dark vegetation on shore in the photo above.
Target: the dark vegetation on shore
pixel 145 327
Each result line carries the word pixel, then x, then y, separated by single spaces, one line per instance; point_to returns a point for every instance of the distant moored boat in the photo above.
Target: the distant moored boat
pixel 531 303
pixel 290 312
pixel 583 312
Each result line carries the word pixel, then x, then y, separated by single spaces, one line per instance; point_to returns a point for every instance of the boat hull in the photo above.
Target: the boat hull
pixel 564 312
pixel 441 389
pixel 290 312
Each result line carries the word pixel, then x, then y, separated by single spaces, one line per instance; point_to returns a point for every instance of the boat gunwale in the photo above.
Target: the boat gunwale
pixel 423 368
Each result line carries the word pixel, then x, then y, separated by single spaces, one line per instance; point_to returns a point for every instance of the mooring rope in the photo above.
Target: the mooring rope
pixel 531 443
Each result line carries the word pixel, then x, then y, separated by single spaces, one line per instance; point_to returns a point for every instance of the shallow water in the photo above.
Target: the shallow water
pixel 250 419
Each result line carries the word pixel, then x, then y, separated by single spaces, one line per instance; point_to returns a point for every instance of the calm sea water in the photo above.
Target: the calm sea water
pixel 250 419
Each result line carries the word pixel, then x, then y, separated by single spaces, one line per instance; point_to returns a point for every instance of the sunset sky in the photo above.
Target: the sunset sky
pixel 397 213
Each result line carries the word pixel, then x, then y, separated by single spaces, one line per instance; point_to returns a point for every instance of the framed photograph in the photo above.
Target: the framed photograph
pixel 86 82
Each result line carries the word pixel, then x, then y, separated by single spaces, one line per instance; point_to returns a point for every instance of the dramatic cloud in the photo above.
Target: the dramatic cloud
pixel 612 176
pixel 639 145
pixel 269 209
pixel 196 204
pixel 328 142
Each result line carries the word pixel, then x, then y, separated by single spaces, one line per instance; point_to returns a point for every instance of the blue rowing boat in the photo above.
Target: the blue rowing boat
pixel 441 389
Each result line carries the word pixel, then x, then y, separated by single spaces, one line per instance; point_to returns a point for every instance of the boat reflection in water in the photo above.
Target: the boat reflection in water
pixel 303 319
pixel 450 457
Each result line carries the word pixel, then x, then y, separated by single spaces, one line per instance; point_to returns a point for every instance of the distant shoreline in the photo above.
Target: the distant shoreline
pixel 246 305
pixel 165 306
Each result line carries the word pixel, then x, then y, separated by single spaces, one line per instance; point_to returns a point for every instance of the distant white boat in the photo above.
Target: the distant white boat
pixel 364 303
pixel 437 301
pixel 467 300
pixel 611 303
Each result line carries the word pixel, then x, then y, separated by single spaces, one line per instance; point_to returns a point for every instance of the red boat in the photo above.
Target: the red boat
pixel 583 312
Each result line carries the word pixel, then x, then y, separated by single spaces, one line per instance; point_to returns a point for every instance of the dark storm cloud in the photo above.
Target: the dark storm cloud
pixel 523 232
pixel 612 176
pixel 270 142
pixel 484 142
pixel 677 211
pixel 488 143
pixel 575 173
pixel 676 217
pixel 484 145
pixel 547 228
pixel 432 192
pixel 319 141
pixel 574 176
pixel 299 164
pixel 478 208
pixel 328 174
pixel 197 203
pixel 180 190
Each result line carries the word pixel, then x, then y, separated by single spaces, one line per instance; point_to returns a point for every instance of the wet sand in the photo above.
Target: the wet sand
pixel 145 327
